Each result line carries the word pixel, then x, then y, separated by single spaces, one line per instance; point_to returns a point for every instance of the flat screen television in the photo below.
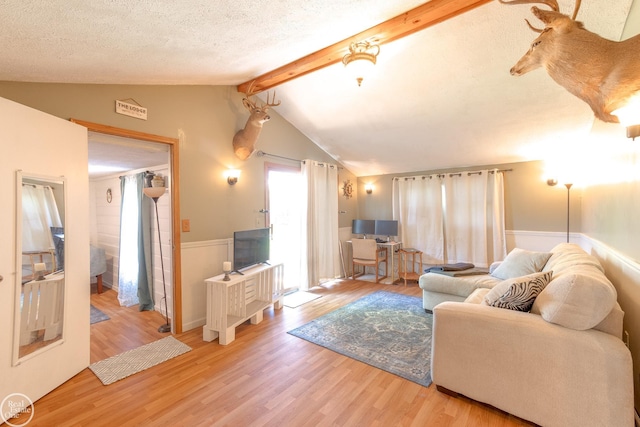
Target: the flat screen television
pixel 250 247
pixel 363 226
pixel 386 227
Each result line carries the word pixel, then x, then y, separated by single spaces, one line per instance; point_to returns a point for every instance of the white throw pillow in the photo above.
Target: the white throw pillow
pixel 518 293
pixel 577 300
pixel 521 262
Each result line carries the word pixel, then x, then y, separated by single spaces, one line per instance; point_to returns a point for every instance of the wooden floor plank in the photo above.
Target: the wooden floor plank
pixel 265 377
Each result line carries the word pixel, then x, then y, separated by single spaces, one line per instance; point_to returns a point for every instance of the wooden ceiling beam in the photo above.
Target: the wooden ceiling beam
pixel 416 19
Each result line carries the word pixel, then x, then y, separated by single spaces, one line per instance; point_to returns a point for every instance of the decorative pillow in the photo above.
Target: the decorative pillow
pixel 519 293
pixel 577 300
pixel 521 262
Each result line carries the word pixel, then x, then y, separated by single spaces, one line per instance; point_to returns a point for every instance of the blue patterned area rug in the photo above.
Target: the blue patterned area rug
pixel 386 330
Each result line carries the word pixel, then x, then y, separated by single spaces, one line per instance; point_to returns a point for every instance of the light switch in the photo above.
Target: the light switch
pixel 186 225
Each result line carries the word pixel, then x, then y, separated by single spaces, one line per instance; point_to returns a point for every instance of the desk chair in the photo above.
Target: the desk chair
pixel 367 253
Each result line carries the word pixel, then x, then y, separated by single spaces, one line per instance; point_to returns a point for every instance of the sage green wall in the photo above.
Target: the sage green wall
pixel 530 204
pixel 204 118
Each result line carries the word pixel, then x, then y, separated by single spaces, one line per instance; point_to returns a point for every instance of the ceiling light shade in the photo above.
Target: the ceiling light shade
pixel 361 59
pixel 629 116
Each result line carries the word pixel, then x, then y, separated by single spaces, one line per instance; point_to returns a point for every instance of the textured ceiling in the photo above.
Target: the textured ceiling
pixel 440 98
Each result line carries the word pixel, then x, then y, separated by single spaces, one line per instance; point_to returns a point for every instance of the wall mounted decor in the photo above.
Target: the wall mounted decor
pixel 244 141
pixel 347 189
pixel 603 73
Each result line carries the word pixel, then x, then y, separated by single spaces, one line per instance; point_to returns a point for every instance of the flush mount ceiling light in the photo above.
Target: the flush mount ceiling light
pixel 361 59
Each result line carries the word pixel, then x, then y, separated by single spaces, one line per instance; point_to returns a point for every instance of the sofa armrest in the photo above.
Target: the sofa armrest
pixel 535 370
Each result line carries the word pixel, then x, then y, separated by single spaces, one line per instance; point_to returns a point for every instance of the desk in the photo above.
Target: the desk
pixel 392 248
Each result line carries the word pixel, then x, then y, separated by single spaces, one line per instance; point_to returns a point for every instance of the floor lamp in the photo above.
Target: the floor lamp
pixel 154 193
pixel 568 185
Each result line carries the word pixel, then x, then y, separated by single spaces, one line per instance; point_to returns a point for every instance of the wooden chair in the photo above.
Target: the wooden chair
pixel 367 253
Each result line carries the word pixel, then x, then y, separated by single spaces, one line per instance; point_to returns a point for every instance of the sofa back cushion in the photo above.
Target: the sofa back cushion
pixel 579 296
pixel 520 262
pixel 569 256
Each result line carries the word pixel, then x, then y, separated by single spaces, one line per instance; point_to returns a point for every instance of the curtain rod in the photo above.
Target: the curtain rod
pixel 261 153
pixel 452 174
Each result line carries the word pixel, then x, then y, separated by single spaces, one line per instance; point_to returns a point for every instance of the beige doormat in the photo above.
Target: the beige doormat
pixel 298 298
pixel 133 361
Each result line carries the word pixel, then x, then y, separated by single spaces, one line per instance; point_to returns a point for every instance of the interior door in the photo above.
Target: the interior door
pixel 41 144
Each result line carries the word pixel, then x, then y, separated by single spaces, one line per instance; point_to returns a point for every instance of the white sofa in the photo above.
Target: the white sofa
pixel 561 364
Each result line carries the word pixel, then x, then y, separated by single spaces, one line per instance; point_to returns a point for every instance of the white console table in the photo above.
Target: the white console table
pixel 244 297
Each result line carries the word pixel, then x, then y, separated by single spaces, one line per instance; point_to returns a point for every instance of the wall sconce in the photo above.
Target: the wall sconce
pixel 629 117
pixel 368 188
pixel 552 182
pixel 232 176
pixel 361 59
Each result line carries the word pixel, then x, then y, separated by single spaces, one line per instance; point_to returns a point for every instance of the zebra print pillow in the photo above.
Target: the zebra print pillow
pixel 518 293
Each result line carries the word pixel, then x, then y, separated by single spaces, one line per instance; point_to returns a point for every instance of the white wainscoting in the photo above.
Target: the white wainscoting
pixel 200 260
pixel 344 234
pixel 538 240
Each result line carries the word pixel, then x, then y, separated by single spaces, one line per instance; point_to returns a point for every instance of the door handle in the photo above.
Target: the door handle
pixel 1 278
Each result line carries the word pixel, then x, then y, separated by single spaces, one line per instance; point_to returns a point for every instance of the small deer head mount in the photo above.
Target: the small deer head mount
pixel 244 141
pixel 603 73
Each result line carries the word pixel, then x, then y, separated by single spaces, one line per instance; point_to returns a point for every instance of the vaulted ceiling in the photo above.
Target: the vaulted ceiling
pixel 441 97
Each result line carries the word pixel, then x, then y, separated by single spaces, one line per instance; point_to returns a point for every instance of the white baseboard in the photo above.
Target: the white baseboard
pixel 187 326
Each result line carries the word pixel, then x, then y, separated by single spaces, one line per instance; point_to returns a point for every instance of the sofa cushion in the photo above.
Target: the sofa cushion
pixel 569 257
pixel 518 293
pixel 579 300
pixel 477 296
pixel 521 262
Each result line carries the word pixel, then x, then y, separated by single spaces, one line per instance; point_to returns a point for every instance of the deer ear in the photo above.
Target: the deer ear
pixel 247 104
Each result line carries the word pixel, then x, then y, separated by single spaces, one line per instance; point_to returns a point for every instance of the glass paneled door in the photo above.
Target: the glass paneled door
pixel 284 214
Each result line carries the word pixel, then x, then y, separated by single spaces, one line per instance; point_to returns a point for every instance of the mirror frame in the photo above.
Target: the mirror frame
pixel 61 180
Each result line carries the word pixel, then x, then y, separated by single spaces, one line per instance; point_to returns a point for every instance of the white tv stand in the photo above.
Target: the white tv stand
pixel 244 297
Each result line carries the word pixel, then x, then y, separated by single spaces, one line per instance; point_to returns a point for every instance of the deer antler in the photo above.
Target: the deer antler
pixel 553 4
pixel 250 105
pixel 272 103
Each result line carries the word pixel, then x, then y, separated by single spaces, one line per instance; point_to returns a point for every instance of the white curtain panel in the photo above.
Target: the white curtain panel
pixel 39 212
pixel 321 243
pixel 417 206
pixel 474 217
pixel 497 245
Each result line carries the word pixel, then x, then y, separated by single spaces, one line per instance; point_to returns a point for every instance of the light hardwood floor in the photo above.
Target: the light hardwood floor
pixel 264 377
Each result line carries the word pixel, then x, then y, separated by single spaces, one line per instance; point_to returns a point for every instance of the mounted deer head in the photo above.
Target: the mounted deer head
pixel 601 72
pixel 244 141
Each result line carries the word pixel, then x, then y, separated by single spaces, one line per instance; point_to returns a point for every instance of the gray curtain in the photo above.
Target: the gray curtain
pixel 134 279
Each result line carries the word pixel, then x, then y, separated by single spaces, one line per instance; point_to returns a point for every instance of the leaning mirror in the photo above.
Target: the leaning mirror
pixel 40 285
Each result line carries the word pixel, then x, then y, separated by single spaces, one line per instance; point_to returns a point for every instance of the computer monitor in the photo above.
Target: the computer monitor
pixel 363 226
pixel 386 228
